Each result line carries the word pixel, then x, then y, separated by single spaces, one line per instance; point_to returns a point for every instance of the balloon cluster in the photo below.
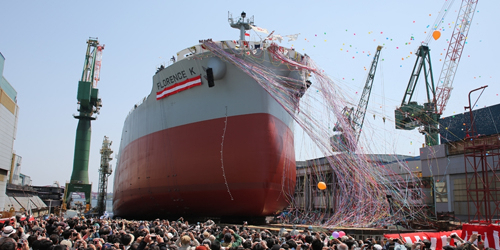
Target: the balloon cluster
pixel 338 234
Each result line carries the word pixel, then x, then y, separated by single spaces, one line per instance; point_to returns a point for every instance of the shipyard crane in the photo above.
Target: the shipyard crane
pixel 454 52
pixel 104 172
pixel 356 121
pixel 410 114
pixel 89 105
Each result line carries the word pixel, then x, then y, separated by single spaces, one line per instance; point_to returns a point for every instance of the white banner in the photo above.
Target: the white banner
pixel 258 29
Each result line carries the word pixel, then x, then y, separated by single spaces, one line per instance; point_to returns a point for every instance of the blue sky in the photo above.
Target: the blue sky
pixel 44 44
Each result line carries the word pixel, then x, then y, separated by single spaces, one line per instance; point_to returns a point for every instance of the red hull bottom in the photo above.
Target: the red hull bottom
pixel 194 170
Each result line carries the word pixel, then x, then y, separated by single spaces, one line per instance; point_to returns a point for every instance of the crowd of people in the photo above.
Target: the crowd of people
pixel 56 233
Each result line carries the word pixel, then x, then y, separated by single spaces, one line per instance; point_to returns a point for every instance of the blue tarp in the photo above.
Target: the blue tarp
pixel 486 121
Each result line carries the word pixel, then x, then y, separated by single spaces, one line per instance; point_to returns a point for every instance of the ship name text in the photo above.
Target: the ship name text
pixel 177 77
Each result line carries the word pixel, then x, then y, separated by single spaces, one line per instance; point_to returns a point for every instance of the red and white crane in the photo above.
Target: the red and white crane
pixel 454 53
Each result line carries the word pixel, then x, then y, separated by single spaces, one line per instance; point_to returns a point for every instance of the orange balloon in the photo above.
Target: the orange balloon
pixel 436 34
pixel 321 185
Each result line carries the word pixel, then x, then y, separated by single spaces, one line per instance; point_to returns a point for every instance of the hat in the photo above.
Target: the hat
pixel 67 243
pixel 7 231
pixel 206 241
pixel 185 240
pixel 201 248
pixel 206 234
pixel 170 235
pixel 211 238
pixel 377 246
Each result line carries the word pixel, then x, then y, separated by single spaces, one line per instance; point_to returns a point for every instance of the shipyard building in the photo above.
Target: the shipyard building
pixel 460 176
pixel 16 193
pixel 8 126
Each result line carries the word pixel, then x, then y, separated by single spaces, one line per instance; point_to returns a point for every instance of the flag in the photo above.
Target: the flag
pixel 178 87
pixel 246 34
pixel 258 29
pixel 278 38
pixel 292 37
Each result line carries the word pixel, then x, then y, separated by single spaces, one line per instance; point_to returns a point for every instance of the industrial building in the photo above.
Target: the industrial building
pixel 465 166
pixel 16 193
pixel 468 195
pixel 8 126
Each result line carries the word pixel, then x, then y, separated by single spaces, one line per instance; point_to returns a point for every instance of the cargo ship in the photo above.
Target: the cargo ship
pixel 209 140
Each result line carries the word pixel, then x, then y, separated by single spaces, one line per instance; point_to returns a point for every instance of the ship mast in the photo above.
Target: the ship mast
pixel 241 24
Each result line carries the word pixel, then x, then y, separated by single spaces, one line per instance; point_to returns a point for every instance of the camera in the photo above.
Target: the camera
pixel 479 238
pixel 153 236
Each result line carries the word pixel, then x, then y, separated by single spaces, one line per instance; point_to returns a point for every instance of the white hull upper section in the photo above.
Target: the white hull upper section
pixel 235 93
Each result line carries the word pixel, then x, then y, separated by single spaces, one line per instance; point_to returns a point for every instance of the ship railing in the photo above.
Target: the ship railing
pixel 137 105
pixel 247 46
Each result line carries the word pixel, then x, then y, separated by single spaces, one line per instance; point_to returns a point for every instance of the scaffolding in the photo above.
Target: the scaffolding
pixel 482 161
pixel 104 172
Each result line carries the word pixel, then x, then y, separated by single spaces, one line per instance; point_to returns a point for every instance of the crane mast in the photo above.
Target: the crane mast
pixel 410 114
pixel 357 120
pixel 89 105
pixel 454 53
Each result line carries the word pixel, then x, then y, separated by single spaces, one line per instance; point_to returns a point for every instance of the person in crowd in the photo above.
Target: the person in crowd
pixel 55 233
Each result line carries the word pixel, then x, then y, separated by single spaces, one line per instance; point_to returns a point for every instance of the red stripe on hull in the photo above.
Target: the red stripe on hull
pixel 179 171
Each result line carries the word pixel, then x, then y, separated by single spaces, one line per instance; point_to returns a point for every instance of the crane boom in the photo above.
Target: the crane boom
pixel 356 121
pixel 359 116
pixel 454 53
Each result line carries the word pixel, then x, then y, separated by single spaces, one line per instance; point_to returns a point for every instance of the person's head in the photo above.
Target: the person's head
pixel 31 239
pixel 66 234
pixel 54 238
pixel 185 240
pixel 8 231
pixel 427 244
pixel 317 244
pixel 309 239
pixel 45 245
pixel 126 239
pixel 258 247
pixel 8 245
pixel 215 245
pixel 342 246
pixel 227 238
pixel 292 244
pixel 349 243
pixel 247 244
pixel 60 247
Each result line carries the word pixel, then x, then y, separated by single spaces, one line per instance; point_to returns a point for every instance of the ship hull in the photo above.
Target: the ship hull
pixel 198 172
pixel 224 151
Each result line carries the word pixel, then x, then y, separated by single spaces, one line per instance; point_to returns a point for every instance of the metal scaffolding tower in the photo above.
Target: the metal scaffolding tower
pixel 104 172
pixel 482 161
